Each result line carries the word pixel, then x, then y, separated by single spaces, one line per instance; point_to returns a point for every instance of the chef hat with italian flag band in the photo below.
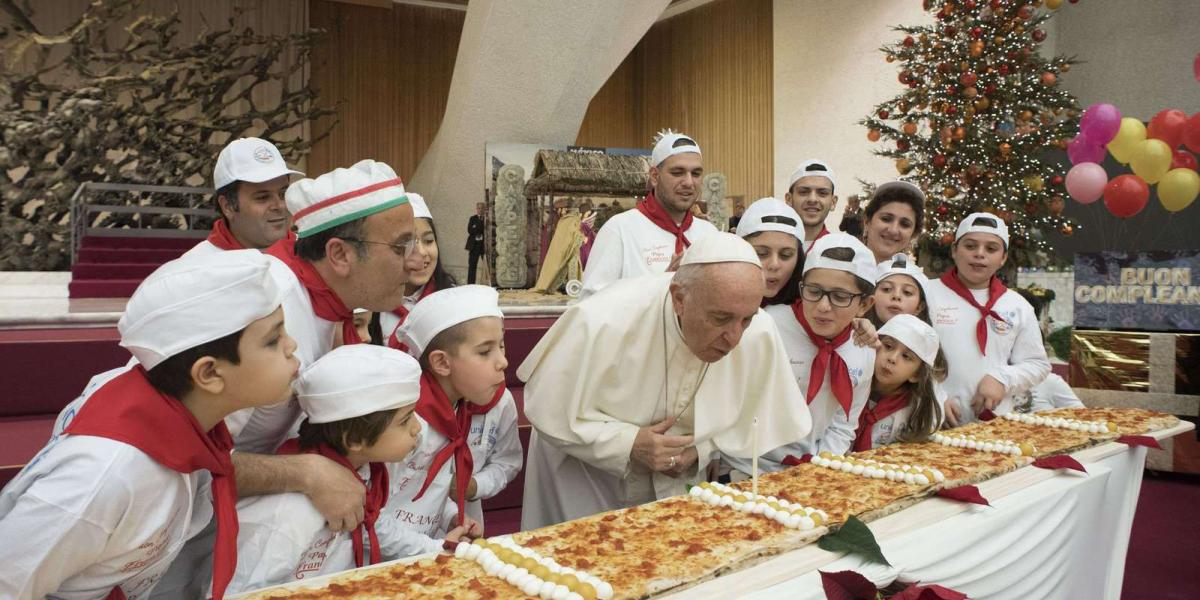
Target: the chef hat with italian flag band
pixel 197 299
pixel 343 195
pixel 356 380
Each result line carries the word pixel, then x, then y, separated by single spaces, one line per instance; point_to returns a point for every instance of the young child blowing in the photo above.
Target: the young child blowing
pixel 360 402
pixel 903 406
pixel 145 464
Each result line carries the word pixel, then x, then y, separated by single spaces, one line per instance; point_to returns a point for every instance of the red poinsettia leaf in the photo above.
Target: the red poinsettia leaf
pixel 928 592
pixel 847 585
pixel 1140 440
pixel 1061 461
pixel 791 460
pixel 964 493
pixel 987 415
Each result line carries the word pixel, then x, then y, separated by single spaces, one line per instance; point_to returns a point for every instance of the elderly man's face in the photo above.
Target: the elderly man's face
pixel 715 310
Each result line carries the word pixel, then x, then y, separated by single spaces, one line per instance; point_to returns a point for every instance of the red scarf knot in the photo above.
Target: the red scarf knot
pixel 884 408
pixel 827 359
pixel 996 289
pixel 654 211
pixel 326 303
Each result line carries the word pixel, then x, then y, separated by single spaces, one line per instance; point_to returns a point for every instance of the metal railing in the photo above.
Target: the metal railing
pixel 82 213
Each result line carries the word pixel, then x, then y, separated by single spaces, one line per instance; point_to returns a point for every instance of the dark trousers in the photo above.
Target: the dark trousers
pixel 473 265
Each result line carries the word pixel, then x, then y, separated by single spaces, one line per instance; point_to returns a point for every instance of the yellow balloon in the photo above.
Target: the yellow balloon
pixel 1178 188
pixel 1151 160
pixel 1131 132
pixel 1053 4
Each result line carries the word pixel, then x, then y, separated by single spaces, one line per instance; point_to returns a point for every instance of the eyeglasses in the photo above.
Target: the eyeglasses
pixel 838 298
pixel 407 248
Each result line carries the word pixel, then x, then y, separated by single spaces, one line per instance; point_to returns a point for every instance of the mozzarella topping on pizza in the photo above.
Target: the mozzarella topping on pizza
pixel 788 514
pixel 914 474
pixel 1061 423
pixel 532 573
pixel 958 440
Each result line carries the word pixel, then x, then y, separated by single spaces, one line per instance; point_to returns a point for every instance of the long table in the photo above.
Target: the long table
pixel 1047 534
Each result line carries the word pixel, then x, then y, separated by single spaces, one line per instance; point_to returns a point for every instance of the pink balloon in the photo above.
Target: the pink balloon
pixel 1086 181
pixel 1100 123
pixel 1083 150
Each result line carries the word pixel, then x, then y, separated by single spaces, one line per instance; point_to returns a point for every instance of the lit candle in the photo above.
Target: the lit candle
pixel 754 457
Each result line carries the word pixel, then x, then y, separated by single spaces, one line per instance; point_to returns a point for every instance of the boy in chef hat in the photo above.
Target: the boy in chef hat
pixel 470 449
pixel 145 463
pixel 360 401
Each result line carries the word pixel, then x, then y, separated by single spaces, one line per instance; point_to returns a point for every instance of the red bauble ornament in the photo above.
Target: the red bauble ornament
pixel 989 90
pixel 909 41
pixel 942 210
pixel 951 90
pixel 1049 79
pixel 969 5
pixel 939 160
pixel 1039 35
pixel 910 128
pixel 1003 69
pixel 1056 180
pixel 902 145
pixel 883 113
pixel 1025 12
pixel 976 32
pixel 996 4
pixel 952 110
pixel 873 135
pixel 968 78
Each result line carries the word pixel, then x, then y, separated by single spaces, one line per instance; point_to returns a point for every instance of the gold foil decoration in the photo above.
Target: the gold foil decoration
pixel 1110 360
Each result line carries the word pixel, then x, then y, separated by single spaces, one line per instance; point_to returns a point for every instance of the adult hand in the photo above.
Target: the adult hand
pixel 684 463
pixel 865 334
pixel 988 395
pixel 952 416
pixel 658 451
pixel 336 492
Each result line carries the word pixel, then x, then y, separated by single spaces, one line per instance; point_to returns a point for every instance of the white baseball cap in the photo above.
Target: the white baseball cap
pixel 813 166
pixel 972 225
pixel 770 214
pixel 343 195
pixel 914 333
pixel 356 380
pixel 903 264
pixel 862 264
pixel 196 299
pixel 444 309
pixel 900 186
pixel 249 159
pixel 668 143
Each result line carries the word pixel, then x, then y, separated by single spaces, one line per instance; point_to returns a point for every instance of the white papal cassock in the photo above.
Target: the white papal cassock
pixel 617 362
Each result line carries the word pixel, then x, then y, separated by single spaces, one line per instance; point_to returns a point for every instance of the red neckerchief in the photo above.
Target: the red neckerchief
pixel 325 301
pixel 996 289
pixel 820 234
pixel 654 211
pixel 884 408
pixel 377 495
pixel 839 374
pixel 129 410
pixel 393 341
pixel 434 407
pixel 221 237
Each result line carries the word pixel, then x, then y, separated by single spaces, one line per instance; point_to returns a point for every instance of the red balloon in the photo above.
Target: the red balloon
pixel 1191 133
pixel 1126 195
pixel 1182 159
pixel 1168 126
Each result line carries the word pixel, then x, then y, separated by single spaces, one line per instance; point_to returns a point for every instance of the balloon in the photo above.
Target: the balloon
pixel 1182 159
pixel 1131 132
pixel 1126 195
pixel 1151 160
pixel 1167 126
pixel 1100 123
pixel 1191 133
pixel 1085 182
pixel 1083 150
pixel 1178 188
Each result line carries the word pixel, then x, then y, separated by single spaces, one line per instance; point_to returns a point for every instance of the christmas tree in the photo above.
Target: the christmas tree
pixel 981 108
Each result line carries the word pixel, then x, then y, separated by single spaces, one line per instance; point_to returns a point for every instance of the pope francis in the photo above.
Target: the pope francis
pixel 636 389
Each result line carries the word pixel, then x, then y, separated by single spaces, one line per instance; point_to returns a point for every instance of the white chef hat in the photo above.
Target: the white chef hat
pixel 903 264
pixel 343 195
pixel 719 247
pixel 444 309
pixel 196 299
pixel 917 335
pixel 420 209
pixel 668 143
pixel 770 214
pixel 813 166
pixel 249 159
pixel 355 380
pixel 971 225
pixel 861 264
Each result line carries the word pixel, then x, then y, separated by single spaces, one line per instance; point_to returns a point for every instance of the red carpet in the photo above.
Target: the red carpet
pixel 112 267
pixel 1164 548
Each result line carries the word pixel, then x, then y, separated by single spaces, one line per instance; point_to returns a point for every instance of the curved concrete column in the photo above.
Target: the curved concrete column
pixel 525 72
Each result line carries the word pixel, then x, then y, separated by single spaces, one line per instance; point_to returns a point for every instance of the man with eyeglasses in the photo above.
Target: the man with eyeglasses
pixel 647 239
pixel 811 194
pixel 355 246
pixel 250 178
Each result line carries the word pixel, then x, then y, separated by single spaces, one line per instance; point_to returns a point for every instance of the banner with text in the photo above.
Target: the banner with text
pixel 1156 291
